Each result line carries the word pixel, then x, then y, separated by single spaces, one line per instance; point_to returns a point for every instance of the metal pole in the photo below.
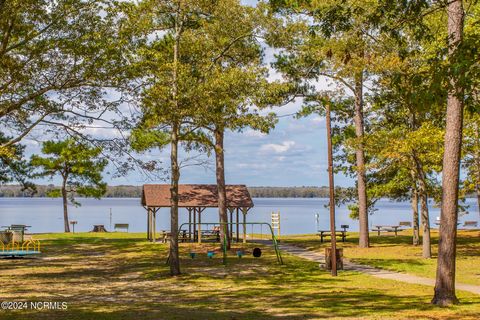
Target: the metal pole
pixel 332 193
pixel 110 219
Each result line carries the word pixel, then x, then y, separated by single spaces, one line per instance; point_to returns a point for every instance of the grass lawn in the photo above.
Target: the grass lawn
pixel 398 253
pixel 122 276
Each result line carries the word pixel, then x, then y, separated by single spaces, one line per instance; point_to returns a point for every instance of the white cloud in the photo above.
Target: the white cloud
pixel 254 134
pixel 318 119
pixel 252 165
pixel 278 148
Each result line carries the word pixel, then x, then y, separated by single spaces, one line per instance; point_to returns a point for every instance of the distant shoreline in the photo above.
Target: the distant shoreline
pixel 129 191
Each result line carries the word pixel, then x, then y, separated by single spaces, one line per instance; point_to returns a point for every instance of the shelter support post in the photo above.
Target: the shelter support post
pixel 194 224
pixel 189 224
pixel 230 230
pixel 199 232
pixel 154 224
pixel 149 224
pixel 238 227
pixel 244 211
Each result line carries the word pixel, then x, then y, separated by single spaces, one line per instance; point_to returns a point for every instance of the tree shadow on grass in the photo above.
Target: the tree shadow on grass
pixel 250 304
pixel 389 263
pixel 100 287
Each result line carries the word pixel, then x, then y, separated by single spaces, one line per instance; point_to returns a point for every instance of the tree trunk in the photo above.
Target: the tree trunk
pixel 478 197
pixel 425 216
pixel 477 166
pixel 416 226
pixel 360 157
pixel 445 280
pixel 425 219
pixel 222 192
pixel 174 258
pixel 331 184
pixel 65 205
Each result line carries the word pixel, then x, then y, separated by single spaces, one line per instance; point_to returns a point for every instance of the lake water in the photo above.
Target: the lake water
pixel 298 215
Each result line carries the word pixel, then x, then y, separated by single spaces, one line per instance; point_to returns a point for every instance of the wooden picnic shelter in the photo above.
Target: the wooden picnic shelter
pixel 196 198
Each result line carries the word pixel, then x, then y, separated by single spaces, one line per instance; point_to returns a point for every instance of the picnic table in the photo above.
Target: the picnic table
pixel 18 231
pixel 212 234
pixel 472 224
pixel 387 229
pixel 165 235
pixel 328 233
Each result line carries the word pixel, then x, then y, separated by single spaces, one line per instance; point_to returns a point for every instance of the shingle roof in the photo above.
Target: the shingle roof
pixel 195 195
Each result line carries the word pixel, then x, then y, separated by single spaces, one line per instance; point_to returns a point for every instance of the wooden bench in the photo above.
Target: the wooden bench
pixel 380 229
pixel 123 226
pixel 405 224
pixel 327 233
pixel 473 224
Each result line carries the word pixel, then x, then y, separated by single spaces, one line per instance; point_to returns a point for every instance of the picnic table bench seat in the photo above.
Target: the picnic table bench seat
pixel 327 233
pixel 393 229
pixel 471 224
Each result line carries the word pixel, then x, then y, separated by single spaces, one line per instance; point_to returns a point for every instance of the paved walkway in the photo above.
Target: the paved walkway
pixel 376 272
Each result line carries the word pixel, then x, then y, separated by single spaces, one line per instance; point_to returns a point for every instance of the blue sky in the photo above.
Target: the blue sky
pixel 293 154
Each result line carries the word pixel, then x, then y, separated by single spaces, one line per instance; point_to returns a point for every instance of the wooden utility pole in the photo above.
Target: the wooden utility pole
pixel 333 258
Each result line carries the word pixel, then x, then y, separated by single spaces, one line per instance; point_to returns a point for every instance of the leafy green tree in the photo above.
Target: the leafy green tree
pixel 167 62
pixel 451 61
pixel 471 143
pixel 407 133
pixel 337 40
pixel 234 86
pixel 56 60
pixel 471 155
pixel 79 166
pixel 13 168
pixel 445 280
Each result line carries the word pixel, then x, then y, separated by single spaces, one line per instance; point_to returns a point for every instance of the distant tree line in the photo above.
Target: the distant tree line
pixel 136 191
pixel 45 190
pixel 288 192
pixel 123 191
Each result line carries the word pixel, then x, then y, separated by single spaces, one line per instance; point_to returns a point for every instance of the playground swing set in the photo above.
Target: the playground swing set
pixel 257 252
